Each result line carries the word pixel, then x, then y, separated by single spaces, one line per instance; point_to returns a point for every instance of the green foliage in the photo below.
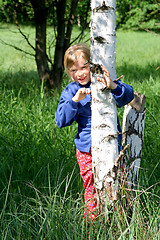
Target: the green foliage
pixel 83 12
pixel 138 14
pixel 41 192
pixel 144 17
pixel 131 14
pixel 22 11
pixel 16 10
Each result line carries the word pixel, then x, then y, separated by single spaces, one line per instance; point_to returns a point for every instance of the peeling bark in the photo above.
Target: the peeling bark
pixel 133 129
pixel 104 110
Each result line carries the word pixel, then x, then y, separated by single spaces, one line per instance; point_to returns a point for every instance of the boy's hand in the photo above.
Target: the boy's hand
pixel 81 94
pixel 106 79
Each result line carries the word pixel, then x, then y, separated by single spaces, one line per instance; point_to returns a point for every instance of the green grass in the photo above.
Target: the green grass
pixel 41 192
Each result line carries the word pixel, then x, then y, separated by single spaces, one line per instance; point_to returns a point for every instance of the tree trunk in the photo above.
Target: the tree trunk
pixel 51 72
pixel 40 13
pixel 104 110
pixel 52 77
pixel 133 134
pixel 74 4
pixel 57 68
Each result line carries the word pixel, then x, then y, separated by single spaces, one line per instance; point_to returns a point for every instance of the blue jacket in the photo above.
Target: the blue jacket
pixel 69 111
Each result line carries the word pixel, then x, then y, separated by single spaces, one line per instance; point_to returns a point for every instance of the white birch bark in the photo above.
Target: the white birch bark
pixel 133 129
pixel 104 110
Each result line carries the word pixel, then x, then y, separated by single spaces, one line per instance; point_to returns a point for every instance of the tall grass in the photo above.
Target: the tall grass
pixel 41 192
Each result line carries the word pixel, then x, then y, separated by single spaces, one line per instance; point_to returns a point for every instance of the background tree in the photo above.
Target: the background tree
pixel 52 75
pixel 62 15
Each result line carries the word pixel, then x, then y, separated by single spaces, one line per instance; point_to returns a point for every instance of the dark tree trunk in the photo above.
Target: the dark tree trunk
pixel 63 39
pixel 70 24
pixel 52 72
pixel 57 68
pixel 40 12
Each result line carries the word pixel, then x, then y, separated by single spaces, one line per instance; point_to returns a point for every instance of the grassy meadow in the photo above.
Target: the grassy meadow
pixel 41 192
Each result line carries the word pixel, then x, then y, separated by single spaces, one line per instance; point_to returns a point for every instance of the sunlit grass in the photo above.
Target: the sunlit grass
pixel 41 192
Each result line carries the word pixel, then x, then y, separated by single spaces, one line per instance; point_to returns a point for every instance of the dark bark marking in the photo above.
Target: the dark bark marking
pixel 102 8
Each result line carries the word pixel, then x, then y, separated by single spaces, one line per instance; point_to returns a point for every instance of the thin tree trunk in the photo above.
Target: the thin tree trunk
pixel 57 68
pixel 74 4
pixel 133 134
pixel 52 76
pixel 41 59
pixel 40 12
pixel 104 110
pixel 52 72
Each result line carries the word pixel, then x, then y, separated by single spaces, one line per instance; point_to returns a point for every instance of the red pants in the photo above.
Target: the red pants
pixel 85 164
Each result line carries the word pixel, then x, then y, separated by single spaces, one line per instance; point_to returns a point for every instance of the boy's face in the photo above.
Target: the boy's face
pixel 80 71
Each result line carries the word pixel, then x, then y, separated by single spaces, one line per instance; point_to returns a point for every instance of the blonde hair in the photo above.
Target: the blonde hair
pixel 73 53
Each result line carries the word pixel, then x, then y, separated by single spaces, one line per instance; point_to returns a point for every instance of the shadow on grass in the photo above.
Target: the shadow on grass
pixel 138 74
pixel 26 81
pixel 29 138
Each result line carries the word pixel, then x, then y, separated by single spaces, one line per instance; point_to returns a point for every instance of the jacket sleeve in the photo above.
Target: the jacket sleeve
pixel 66 110
pixel 123 94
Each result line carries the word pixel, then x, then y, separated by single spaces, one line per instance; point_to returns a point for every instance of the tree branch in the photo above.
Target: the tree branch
pixel 17 48
pixel 121 154
pixel 157 3
pixel 25 37
pixel 147 30
pixel 84 27
pixel 28 42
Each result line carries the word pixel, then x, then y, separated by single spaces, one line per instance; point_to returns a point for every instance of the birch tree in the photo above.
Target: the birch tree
pixel 105 155
pixel 104 142
pixel 133 135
